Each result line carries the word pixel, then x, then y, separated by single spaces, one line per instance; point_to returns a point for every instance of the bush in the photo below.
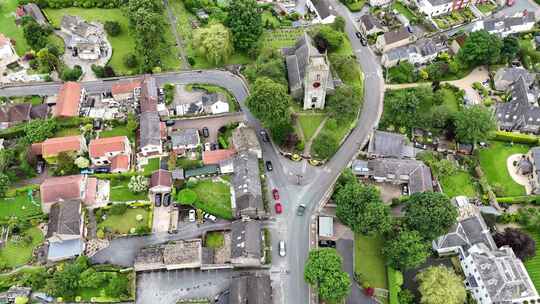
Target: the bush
pixel 130 60
pixel 71 74
pixel 112 28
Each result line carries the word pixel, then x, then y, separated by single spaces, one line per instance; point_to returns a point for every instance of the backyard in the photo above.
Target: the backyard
pixel 123 223
pixel 117 131
pixel 533 265
pixel 493 163
pixel 120 192
pixel 210 196
pixel 370 264
pixel 18 249
pixel 460 183
pixel 19 206
pixel 455 18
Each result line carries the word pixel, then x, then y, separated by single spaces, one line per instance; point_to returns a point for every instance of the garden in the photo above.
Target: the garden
pixel 459 183
pixel 19 248
pixel 152 166
pixel 233 104
pixel 10 29
pixel 493 163
pixel 454 18
pixel 120 191
pixel 405 11
pixel 18 204
pixel 486 7
pixel 209 195
pixel 122 219
pixel 370 264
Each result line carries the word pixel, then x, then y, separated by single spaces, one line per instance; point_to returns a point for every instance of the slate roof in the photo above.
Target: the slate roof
pixel 150 132
pixel 401 53
pixel 204 170
pixel 323 8
pixel 185 137
pixel 396 35
pixel 210 99
pixel 35 12
pixel 76 25
pixel 251 288
pixel 246 239
pixel 39 111
pixel 519 114
pixel 161 178
pixel 370 22
pixel 244 138
pixel 65 218
pixel 438 2
pixel 506 76
pixel 506 23
pixel 247 185
pixel 465 234
pixel 149 97
pixel 386 144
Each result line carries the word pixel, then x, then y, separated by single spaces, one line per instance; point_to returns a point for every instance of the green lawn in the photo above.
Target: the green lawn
pixel 486 7
pixel 18 253
pixel 460 183
pixel 122 224
pixel 280 38
pixel 187 163
pixel 19 206
pixel 153 165
pixel 214 239
pixel 369 261
pixel 117 131
pixel 493 163
pixel 309 124
pixel 533 265
pixel 9 28
pixel 451 100
pixel 67 132
pixel 214 198
pixel 405 11
pixel 121 193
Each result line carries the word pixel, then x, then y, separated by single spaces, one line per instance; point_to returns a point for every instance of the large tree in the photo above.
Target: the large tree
pixel 341 105
pixel 481 48
pixel 245 22
pixel 328 38
pixel 510 48
pixel 361 208
pixel 269 102
pixel 406 250
pixel 35 34
pixel 440 285
pixel 213 42
pixel 430 213
pixel 323 270
pixel 474 124
pixel 523 244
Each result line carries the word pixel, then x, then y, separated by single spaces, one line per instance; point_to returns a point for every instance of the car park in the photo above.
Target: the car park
pixel 269 166
pixel 205 132
pixel 278 208
pixel 191 215
pixel 275 194
pixel 301 209
pixel 282 250
pixel 157 199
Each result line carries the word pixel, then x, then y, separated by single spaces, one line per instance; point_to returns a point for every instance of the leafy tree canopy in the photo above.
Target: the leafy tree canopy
pixel 406 250
pixel 245 22
pixel 214 43
pixel 474 124
pixel 323 270
pixel 481 48
pixel 440 285
pixel 430 213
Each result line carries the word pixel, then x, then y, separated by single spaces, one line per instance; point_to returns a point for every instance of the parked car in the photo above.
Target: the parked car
pixel 269 166
pixel 157 199
pixel 207 146
pixel 278 208
pixel 169 123
pixel 301 209
pixel 161 91
pixel 102 170
pixel 363 41
pixel 191 215
pixel 265 136
pixel 327 243
pixel 282 251
pixel 208 216
pixel 404 190
pixel 205 132
pixel 213 146
pixel 275 194
pixel 166 199
pixel 358 35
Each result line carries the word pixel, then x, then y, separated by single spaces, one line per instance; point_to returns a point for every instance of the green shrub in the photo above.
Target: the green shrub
pixel 516 137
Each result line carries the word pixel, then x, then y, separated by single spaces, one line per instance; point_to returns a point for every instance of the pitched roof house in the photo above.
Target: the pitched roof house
pixel 393 39
pixel 111 151
pixel 507 25
pixel 386 144
pixel 244 138
pixel 51 147
pixel 185 139
pixel 521 113
pixel 216 156
pixel 150 133
pixel 322 10
pixel 69 100
pixel 22 112
pixel 32 10
pixel 64 188
pixel 149 95
pixel 246 243
pixel 421 52
pixel 251 288
pixel 65 230
pixel 161 181
pixel 247 186
pixel 505 77
pixel 369 25
pixel 125 89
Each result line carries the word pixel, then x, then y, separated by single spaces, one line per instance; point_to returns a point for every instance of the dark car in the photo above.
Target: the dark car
pixel 358 35
pixel 169 123
pixel 265 136
pixel 213 146
pixel 300 210
pixel 40 166
pixel 205 132
pixel 363 41
pixel 158 199
pixel 102 170
pixel 166 199
pixel 327 243
pixel 97 124
pixel 269 166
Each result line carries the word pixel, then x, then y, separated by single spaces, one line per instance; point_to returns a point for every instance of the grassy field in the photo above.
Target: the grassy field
pixel 19 206
pixel 309 124
pixel 370 264
pixel 533 264
pixel 121 193
pixel 214 198
pixel 280 38
pixel 214 239
pixel 493 162
pixel 121 224
pixel 18 253
pixel 460 183
pixel 9 28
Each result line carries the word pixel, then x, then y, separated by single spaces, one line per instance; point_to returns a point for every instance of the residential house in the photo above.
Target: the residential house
pixel 185 140
pixel 85 38
pixel 150 124
pixel 215 103
pixel 247 186
pixel 217 156
pixel 413 173
pixel 394 39
pixel 323 11
pixel 161 182
pixel 6 49
pixel 32 10
pixel 504 26
pixel 521 113
pixel 22 112
pixel 457 43
pixel 181 254
pixel 434 8
pixel 51 147
pixel 419 53
pixel 65 231
pixel 369 25
pixel 69 100
pixel 64 188
pixel 492 275
pixel 113 152
pixel 308 70
pixel 386 144
pixel 244 138
pixel 123 90
pixel 505 77
pixel 246 246
pixel 251 288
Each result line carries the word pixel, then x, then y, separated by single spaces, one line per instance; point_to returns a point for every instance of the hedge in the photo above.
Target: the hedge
pixel 519 199
pixel 516 137
pixel 395 280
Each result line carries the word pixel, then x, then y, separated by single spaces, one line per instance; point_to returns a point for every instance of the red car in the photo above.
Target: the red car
pixel 275 194
pixel 278 207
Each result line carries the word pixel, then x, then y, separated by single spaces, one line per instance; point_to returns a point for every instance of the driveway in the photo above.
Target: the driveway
pixel 345 247
pixel 213 123
pixel 167 287
pixel 161 219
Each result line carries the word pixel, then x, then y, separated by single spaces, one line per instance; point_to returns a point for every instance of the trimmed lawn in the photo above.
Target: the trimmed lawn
pixel 18 253
pixel 121 224
pixel 153 165
pixel 19 206
pixel 533 265
pixel 67 132
pixel 187 163
pixel 214 239
pixel 370 263
pixel 214 198
pixel 493 162
pixel 117 131
pixel 460 183
pixel 486 8
pixel 280 38
pixel 121 193
pixel 405 11
pixel 309 124
pixel 9 28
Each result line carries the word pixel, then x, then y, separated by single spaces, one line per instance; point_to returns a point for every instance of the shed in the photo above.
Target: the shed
pixel 326 226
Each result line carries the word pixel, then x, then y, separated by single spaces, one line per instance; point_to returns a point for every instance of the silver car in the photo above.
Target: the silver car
pixel 282 251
